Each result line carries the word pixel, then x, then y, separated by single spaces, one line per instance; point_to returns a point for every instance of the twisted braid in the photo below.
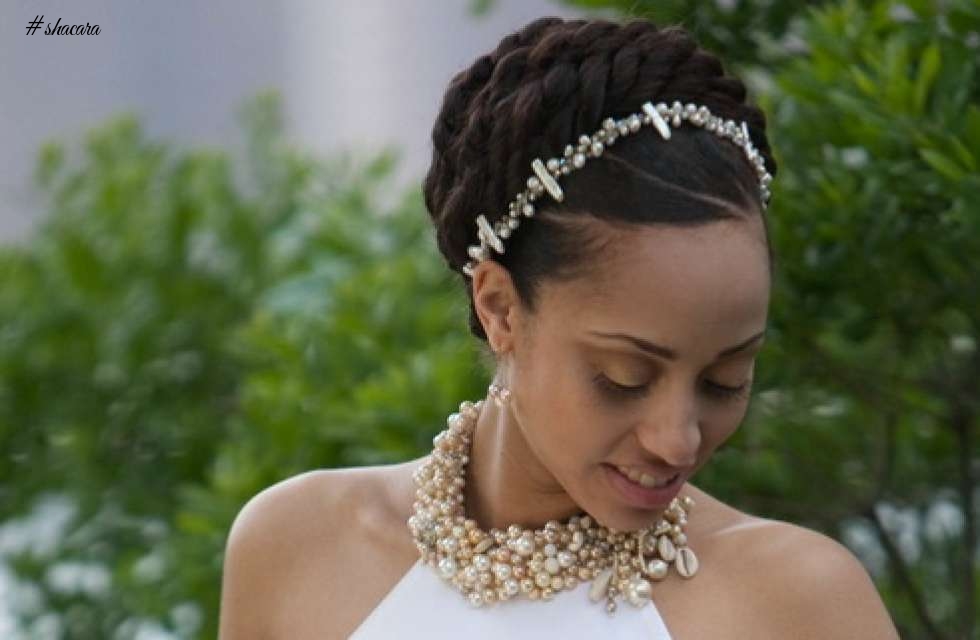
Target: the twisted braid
pixel 542 87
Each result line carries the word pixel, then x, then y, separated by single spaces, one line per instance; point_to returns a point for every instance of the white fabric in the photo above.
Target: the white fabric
pixel 422 605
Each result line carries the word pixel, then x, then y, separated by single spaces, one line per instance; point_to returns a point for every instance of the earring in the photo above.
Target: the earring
pixel 499 393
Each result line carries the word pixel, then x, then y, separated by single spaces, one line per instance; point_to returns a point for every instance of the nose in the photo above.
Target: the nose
pixel 671 430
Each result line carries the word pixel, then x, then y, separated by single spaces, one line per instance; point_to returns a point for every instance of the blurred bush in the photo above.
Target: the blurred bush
pixel 186 329
pixel 171 342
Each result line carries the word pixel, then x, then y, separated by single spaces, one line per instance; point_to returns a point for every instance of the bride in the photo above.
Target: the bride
pixel 602 191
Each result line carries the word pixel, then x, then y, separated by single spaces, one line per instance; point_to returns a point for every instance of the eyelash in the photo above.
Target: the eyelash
pixel 718 391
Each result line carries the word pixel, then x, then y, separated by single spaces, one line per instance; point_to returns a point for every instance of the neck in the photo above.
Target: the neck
pixel 505 482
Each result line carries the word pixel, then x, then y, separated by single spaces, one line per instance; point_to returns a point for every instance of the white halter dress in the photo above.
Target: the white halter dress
pixel 422 605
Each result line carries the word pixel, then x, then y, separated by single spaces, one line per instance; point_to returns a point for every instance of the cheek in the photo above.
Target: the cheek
pixel 720 423
pixel 572 423
pixel 564 442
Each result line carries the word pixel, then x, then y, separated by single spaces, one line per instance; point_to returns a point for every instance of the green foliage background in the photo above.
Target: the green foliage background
pixel 185 330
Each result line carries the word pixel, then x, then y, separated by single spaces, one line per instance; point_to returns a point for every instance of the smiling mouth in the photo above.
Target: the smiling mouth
pixel 646 480
pixel 637 495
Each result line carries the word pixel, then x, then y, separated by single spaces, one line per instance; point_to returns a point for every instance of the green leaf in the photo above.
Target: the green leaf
pixel 929 65
pixel 895 60
pixel 942 164
pixel 971 127
pixel 964 154
pixel 864 83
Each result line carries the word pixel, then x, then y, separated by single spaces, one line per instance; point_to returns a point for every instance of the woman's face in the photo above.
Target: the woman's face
pixel 587 394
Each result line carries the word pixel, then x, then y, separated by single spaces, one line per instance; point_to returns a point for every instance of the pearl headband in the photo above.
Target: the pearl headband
pixel 546 174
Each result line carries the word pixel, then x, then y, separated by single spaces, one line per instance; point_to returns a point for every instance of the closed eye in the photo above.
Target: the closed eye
pixel 712 389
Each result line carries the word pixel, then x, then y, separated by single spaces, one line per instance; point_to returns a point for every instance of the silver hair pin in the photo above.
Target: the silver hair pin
pixel 545 174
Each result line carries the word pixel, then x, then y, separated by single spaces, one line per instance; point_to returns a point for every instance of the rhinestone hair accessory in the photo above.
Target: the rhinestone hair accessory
pixel 546 173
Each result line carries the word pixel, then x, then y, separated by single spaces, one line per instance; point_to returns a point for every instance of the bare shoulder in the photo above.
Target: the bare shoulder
pixel 812 586
pixel 271 534
pixel 768 578
pixel 290 541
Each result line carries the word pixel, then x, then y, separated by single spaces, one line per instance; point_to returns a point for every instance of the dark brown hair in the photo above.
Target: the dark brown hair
pixel 542 87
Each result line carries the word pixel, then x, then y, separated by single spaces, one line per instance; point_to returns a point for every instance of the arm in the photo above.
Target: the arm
pixel 245 576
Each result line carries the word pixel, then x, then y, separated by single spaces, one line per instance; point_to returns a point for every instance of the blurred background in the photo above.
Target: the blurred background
pixel 216 272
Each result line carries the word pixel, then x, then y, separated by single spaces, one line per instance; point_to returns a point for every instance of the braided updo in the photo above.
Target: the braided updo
pixel 542 87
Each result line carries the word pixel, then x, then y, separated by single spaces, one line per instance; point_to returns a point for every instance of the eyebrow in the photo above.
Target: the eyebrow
pixel 670 354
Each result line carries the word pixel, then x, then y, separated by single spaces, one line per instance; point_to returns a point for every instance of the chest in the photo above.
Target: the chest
pixel 332 601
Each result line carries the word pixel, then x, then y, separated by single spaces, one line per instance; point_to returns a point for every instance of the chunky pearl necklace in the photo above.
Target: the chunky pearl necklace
pixel 494 566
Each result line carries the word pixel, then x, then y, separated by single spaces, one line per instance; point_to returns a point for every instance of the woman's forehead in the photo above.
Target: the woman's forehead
pixel 679 279
pixel 697 258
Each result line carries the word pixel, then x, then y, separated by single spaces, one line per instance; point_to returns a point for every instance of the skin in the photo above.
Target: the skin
pixel 696 291
pixel 295 559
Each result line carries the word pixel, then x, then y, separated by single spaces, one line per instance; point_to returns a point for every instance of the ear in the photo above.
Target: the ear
pixel 496 303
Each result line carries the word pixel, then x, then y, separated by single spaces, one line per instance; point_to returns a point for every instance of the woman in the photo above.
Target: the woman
pixel 601 189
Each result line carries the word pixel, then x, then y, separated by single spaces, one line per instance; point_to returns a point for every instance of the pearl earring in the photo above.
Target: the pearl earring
pixel 499 393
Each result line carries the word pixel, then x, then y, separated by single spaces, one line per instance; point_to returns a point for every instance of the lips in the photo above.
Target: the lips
pixel 645 479
pixel 636 494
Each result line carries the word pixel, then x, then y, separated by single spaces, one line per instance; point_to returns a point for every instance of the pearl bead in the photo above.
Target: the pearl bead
pixel 552 566
pixel 481 562
pixel 566 559
pixel 657 569
pixel 639 592
pixel 447 567
pixel 502 571
pixel 524 546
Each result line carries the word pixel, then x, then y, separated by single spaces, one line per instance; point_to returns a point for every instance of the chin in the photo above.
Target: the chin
pixel 612 513
pixel 621 511
pixel 628 518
